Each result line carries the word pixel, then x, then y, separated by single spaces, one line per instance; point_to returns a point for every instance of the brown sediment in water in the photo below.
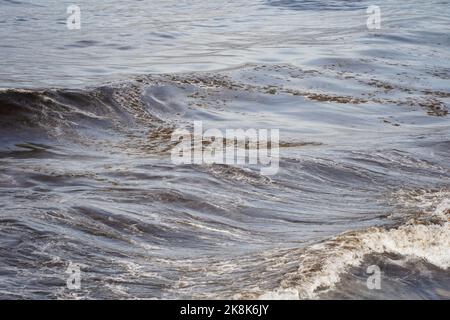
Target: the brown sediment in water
pixel 434 107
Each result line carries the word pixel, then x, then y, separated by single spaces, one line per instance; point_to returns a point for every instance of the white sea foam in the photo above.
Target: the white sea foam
pixel 426 237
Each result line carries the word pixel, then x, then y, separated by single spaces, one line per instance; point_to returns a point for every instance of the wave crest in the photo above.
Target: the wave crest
pixel 425 236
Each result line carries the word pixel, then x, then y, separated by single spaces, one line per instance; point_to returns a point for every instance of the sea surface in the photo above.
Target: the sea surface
pixel 86 176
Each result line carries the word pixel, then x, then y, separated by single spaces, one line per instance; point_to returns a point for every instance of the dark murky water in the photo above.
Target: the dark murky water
pixel 86 177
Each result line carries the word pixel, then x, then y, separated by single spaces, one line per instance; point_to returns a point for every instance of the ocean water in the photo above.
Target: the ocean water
pixel 86 175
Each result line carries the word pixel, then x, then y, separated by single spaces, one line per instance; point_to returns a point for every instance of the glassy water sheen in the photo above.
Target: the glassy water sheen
pixel 86 118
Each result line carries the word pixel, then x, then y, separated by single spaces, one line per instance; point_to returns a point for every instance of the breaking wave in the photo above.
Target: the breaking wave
pixel 86 177
pixel 425 236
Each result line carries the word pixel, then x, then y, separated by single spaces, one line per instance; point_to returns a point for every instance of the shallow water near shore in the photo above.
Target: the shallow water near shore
pixel 86 175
